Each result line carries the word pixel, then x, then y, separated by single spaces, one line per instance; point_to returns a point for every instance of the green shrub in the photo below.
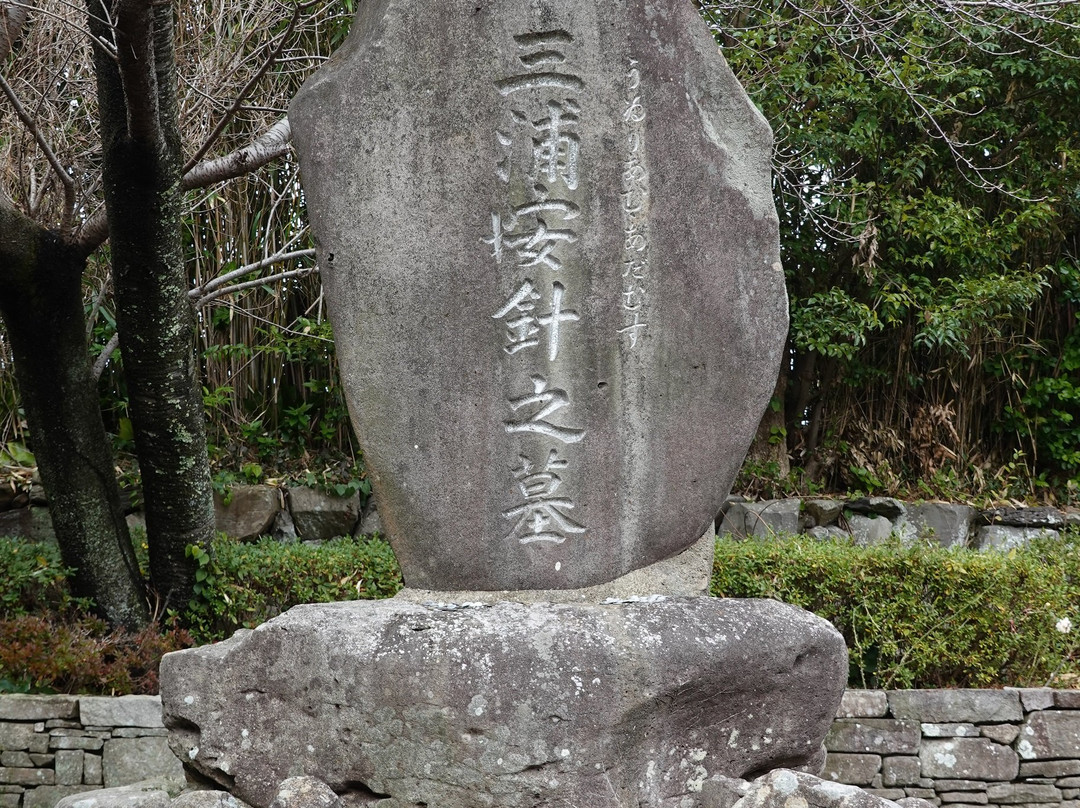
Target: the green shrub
pixel 924 616
pixel 34 579
pixel 242 585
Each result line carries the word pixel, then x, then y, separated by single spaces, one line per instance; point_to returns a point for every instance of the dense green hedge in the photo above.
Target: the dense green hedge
pixel 912 616
pixel 924 616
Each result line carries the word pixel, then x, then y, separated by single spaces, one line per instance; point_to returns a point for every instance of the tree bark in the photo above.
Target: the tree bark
pixel 143 198
pixel 42 307
pixel 770 444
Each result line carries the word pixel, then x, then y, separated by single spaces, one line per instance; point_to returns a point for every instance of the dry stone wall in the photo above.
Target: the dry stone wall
pixel 55 746
pixel 960 748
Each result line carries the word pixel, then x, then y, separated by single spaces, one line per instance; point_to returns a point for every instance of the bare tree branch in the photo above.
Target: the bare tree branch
pixel 50 155
pixel 303 272
pixel 271 145
pixel 201 292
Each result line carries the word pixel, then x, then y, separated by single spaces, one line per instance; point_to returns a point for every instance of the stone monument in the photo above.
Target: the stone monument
pixel 551 260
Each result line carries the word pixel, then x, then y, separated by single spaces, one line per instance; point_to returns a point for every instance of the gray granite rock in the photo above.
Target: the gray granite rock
pixel 946 523
pixel 602 705
pixel 1013 793
pixel 853 768
pixel 900 770
pixel 321 516
pixel 131 760
pixel 829 533
pixel 1035 698
pixel 130 796
pixel 20 707
pixel 888 507
pixel 121 711
pixel 249 512
pixel 1050 734
pixel 207 799
pixel 863 704
pixel 1004 537
pixel 551 259
pixel 950 731
pixel 874 735
pixel 956 706
pixel 824 512
pixel 869 530
pixel 783 788
pixel 968 758
pixel 305 792
pixel 1036 517
pixel 1049 768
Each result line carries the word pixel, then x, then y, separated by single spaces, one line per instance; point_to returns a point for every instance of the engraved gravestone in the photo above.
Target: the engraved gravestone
pixel 551 260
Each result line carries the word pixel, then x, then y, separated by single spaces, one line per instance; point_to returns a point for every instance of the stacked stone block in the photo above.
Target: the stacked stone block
pixel 55 746
pixel 960 748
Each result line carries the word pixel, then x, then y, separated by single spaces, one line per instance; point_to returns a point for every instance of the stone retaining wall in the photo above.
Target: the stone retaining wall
pixel 956 748
pixel 960 748
pixel 53 746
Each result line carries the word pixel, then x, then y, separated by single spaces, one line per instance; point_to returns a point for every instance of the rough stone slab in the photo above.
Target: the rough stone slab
pixel 305 792
pixel 853 769
pixel 768 519
pixel 901 770
pixel 890 794
pixel 10 800
pixel 207 799
pixel 1035 698
pixel 321 516
pixel 69 767
pixel 15 737
pixel 946 523
pixel 959 785
pixel 125 711
pixel 74 742
pixel 824 512
pixel 49 796
pixel 1070 793
pixel 956 706
pixel 917 802
pixel 1041 516
pixel 874 735
pixel 27 777
pixel 250 511
pixel 452 224
pixel 967 797
pixel 888 507
pixel 1001 537
pixel 783 788
pixel 1065 782
pixel 16 759
pixel 93 773
pixel 869 530
pixel 723 792
pixel 950 730
pixel 20 707
pixel 1067 699
pixel 1050 734
pixel 131 760
pixel 9 789
pixel 1002 733
pixel 126 797
pixel 968 759
pixel 1049 768
pixel 554 691
pixel 829 533
pixel 139 732
pixel 1013 793
pixel 927 794
pixel 863 703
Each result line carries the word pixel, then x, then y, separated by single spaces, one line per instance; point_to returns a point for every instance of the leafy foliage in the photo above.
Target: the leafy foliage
pixel 922 616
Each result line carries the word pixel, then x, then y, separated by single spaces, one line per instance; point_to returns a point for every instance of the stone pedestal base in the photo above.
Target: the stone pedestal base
pixel 601 705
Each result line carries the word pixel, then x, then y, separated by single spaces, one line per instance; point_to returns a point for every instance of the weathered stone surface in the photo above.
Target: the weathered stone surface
pixel 69 767
pixel 1002 537
pixel 877 735
pixel 321 516
pixel 890 794
pixel 507 705
pixel 249 513
pixel 851 768
pixel 1063 783
pixel 131 796
pixel 956 706
pixel 370 521
pixel 966 797
pixel 946 523
pixel 829 533
pixel 888 507
pixel 950 731
pixel 1050 734
pixel 74 742
pixel 15 737
pixel 1013 793
pixel 27 777
pixel 783 788
pixel 1035 698
pixel 959 785
pixel 32 524
pixel 723 792
pixel 763 520
pixel 305 792
pixel 1067 699
pixel 207 799
pixel 869 530
pixel 125 711
pixel 863 704
pixel 131 760
pixel 563 272
pixel 968 759
pixel 19 707
pixel 18 759
pixel 1002 733
pixel 1037 517
pixel 900 770
pixel 824 512
pixel 92 770
pixel 49 796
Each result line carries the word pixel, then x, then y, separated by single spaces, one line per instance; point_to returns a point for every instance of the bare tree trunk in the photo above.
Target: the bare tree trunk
pixel 143 197
pixel 770 442
pixel 42 307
